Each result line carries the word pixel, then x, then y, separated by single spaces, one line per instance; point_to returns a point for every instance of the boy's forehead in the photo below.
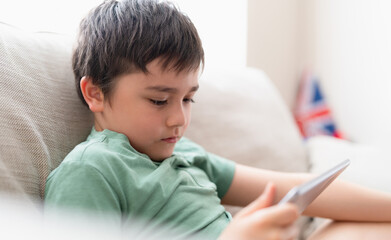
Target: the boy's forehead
pixel 173 82
pixel 160 79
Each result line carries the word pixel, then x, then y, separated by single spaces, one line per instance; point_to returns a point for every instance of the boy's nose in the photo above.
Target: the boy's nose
pixel 177 117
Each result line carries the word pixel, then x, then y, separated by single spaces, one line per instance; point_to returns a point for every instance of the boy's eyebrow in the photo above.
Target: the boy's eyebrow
pixel 169 89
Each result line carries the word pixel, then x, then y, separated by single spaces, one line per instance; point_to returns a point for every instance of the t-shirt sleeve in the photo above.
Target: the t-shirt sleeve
pixel 218 169
pixel 82 188
pixel 221 171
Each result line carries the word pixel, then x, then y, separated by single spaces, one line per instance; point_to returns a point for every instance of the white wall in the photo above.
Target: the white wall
pixel 61 16
pixel 351 52
pixel 273 42
pixel 222 24
pixel 346 43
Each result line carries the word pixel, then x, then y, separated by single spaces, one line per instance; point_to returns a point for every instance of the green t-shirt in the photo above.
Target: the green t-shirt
pixel 106 175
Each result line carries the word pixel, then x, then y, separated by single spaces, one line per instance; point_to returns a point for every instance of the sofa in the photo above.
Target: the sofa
pixel 238 114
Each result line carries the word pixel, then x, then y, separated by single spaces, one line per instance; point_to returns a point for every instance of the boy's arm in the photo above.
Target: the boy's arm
pixel 340 201
pixel 248 183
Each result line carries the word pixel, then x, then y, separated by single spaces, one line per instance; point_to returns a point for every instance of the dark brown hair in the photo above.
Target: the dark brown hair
pixel 119 37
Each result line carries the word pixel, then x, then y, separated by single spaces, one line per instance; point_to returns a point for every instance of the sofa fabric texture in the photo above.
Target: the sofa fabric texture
pixel 41 117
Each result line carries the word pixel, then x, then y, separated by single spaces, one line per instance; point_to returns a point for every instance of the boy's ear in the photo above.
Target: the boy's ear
pixel 92 94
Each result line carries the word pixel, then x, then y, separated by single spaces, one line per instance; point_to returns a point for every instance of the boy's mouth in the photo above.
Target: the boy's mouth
pixel 171 139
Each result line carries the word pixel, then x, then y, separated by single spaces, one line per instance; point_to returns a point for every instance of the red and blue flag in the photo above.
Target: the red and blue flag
pixel 312 113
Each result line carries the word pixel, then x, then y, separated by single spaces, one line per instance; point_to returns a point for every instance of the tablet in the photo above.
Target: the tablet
pixel 302 195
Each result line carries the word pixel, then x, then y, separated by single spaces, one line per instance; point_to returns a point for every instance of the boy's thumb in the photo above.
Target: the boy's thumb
pixel 266 199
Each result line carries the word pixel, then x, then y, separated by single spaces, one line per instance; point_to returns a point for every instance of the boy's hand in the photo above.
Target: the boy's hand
pixel 261 220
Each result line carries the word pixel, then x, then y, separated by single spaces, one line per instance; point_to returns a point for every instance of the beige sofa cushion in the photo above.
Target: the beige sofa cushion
pixel 41 117
pixel 240 115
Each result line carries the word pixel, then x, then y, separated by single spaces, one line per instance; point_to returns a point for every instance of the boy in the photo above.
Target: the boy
pixel 136 67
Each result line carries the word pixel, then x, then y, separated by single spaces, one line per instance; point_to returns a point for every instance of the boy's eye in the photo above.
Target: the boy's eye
pixel 158 102
pixel 188 100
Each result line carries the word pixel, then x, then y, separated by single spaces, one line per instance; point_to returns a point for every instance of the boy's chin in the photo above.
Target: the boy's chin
pixel 161 157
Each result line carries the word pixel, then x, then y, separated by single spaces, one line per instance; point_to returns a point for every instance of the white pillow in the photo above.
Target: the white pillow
pixel 41 117
pixel 370 165
pixel 240 115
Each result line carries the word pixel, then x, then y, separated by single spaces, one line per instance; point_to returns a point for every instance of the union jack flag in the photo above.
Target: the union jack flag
pixel 312 114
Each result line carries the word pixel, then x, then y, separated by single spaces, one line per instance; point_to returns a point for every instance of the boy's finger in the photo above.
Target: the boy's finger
pixel 283 215
pixel 266 199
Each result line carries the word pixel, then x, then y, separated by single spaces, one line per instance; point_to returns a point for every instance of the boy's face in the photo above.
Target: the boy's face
pixel 153 110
